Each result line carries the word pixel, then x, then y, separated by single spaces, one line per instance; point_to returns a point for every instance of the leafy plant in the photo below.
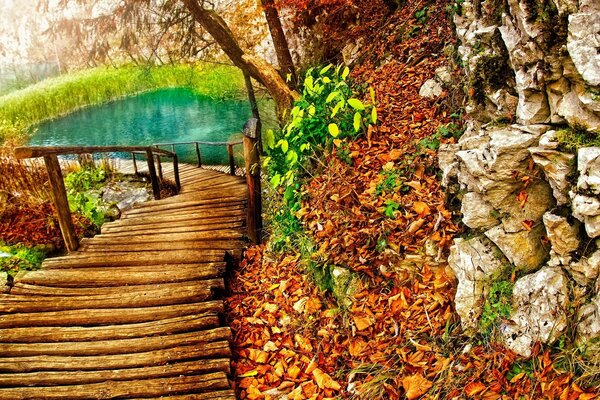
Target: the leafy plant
pixel 20 258
pixel 497 305
pixel 422 15
pixel 390 208
pixel 391 180
pixel 82 200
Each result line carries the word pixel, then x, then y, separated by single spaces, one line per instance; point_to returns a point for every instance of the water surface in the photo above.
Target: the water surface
pixel 166 115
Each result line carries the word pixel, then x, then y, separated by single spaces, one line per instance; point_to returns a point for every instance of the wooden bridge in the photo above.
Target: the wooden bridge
pixel 133 312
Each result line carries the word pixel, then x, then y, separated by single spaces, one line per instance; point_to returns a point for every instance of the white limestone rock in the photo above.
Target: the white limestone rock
pixel 538 312
pixel 475 262
pixel 563 235
pixel 588 327
pixel 448 163
pixel 582 44
pixel 431 89
pixel 588 166
pixel 586 270
pixel 523 249
pixel 557 167
pixel 574 111
pixel 539 200
pixel 478 213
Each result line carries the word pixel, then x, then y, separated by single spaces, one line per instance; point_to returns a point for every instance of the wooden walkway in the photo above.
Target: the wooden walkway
pixel 133 313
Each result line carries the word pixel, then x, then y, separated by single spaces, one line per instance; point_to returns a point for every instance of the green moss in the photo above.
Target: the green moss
pixel 572 138
pixel 22 258
pixel 497 305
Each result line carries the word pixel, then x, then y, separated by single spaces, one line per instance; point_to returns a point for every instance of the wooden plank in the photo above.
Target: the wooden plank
pixel 53 378
pixel 122 259
pixel 218 395
pixel 181 204
pixel 123 389
pixel 80 334
pixel 199 211
pixel 161 229
pixel 202 215
pixel 163 246
pixel 214 235
pixel 49 291
pixel 125 276
pixel 199 224
pixel 118 346
pixel 130 297
pixel 115 361
pixel 107 316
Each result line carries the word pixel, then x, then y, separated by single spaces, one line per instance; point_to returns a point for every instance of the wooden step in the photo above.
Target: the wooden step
pixel 126 331
pixel 116 346
pixel 122 276
pixel 221 234
pixel 192 224
pixel 121 389
pixel 167 229
pixel 164 245
pixel 55 378
pixel 107 316
pixel 127 259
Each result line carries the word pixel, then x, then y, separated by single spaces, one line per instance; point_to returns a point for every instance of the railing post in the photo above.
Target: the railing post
pixel 231 159
pixel 159 165
pixel 59 195
pixel 252 164
pixel 135 168
pixel 198 155
pixel 153 177
pixel 176 172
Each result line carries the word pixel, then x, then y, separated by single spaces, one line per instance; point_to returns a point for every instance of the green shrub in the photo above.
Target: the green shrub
pixel 22 258
pixel 82 199
pixel 497 305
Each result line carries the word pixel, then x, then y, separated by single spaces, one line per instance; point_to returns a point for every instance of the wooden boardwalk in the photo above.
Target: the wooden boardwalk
pixel 133 313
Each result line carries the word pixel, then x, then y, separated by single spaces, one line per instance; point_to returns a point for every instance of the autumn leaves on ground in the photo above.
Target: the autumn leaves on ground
pixel 399 337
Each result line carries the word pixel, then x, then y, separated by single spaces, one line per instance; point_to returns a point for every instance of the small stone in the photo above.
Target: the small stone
pixel 523 249
pixel 443 75
pixel 586 270
pixel 475 262
pixel 538 310
pixel 431 89
pixel 563 236
pixel 557 167
pixel 588 327
pixel 584 206
pixel 588 166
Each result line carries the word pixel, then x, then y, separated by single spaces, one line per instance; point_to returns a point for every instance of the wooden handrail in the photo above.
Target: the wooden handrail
pixel 229 145
pixel 252 164
pixel 59 193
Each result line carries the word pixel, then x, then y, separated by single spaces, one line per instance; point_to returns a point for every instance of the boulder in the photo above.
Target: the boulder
pixel 574 111
pixel 514 214
pixel 538 312
pixel 582 43
pixel 588 316
pixel 563 236
pixel 557 167
pixel 586 270
pixel 448 163
pixel 524 249
pixel 431 89
pixel 588 166
pixel 478 213
pixel 475 262
pixel 587 210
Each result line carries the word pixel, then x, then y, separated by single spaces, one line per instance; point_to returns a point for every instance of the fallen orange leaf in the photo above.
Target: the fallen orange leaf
pixel 324 381
pixel 415 386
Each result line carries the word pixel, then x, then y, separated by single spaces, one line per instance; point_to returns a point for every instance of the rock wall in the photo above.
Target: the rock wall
pixel 533 209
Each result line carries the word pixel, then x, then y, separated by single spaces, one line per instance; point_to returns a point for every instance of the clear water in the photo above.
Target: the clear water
pixel 163 116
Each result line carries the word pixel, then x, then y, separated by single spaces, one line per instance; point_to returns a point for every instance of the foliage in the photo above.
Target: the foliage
pixel 572 138
pixel 51 98
pixel 82 193
pixel 328 112
pixel 22 258
pixel 497 305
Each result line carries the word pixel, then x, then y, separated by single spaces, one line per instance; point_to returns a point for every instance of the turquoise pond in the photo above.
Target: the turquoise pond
pixel 163 116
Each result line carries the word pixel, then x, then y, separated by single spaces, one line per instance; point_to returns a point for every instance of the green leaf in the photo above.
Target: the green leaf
pixel 333 130
pixel 284 145
pixel 374 115
pixel 372 92
pixel 357 121
pixel 337 108
pixel 270 138
pixel 326 79
pixel 266 161
pixel 331 97
pixel 275 180
pixel 356 104
pixel 311 111
pixel 308 83
pixel 345 73
pixel 325 69
pixel 292 157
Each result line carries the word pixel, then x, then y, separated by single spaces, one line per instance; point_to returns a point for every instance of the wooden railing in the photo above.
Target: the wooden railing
pixel 251 143
pixel 57 184
pixel 197 148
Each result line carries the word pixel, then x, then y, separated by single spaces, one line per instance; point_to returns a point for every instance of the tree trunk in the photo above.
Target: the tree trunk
pixel 260 70
pixel 284 58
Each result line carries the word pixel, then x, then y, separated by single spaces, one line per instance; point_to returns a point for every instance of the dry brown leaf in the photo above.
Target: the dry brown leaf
pixel 415 386
pixel 362 323
pixel 324 381
pixel 475 388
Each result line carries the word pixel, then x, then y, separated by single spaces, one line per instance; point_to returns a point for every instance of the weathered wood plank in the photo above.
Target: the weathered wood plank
pixel 115 361
pixel 168 229
pixel 99 277
pixel 81 334
pixel 162 246
pixel 221 234
pixel 219 395
pixel 123 259
pixel 182 205
pixel 53 378
pixel 193 224
pixel 117 346
pixel 200 210
pixel 107 316
pixel 126 297
pixel 123 389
